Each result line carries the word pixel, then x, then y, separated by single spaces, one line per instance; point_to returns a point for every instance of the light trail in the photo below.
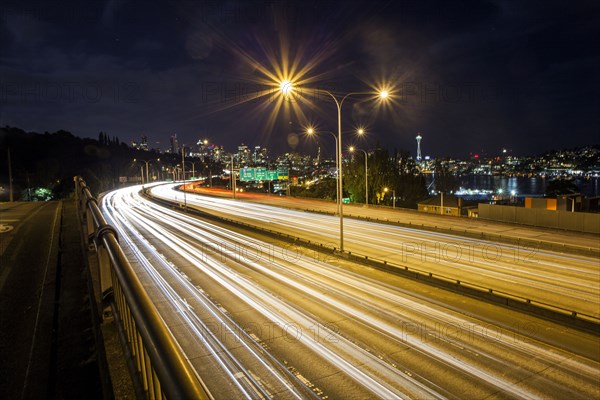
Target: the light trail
pixel 247 292
pixel 549 277
pixel 248 387
pixel 171 246
pixel 390 330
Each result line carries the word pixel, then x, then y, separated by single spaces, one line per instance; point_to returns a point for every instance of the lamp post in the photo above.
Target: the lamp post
pixel 147 178
pixel 393 196
pixel 147 162
pixel 231 172
pixel 183 172
pixel 287 88
pixel 193 169
pixel 352 148
pixel 232 175
pixel 142 169
pixel 10 180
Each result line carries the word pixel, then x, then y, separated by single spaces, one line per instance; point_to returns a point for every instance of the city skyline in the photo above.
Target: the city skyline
pixel 470 76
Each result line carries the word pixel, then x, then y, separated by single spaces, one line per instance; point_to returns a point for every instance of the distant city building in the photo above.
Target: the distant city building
pixel 143 145
pixel 419 137
pixel 202 149
pixel 260 156
pixel 217 153
pixel 243 155
pixel 174 144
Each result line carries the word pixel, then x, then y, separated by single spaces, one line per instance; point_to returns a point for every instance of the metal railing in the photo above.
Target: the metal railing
pixel 162 367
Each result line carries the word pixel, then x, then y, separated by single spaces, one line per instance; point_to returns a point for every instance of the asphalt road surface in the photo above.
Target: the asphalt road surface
pixel 571 282
pixel 258 318
pixel 47 346
pixel 28 254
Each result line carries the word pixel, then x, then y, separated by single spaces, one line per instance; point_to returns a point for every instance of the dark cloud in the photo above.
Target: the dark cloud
pixel 468 75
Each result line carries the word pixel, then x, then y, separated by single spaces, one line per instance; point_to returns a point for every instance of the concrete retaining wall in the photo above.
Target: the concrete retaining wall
pixel 572 221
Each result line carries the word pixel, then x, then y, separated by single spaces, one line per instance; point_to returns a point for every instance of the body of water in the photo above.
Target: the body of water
pixel 522 186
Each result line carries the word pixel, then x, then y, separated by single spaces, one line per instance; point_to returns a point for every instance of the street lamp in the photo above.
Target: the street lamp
pixel 352 149
pixel 147 162
pixel 183 171
pixel 142 169
pixel 193 165
pixel 231 173
pixel 287 88
pixel 393 196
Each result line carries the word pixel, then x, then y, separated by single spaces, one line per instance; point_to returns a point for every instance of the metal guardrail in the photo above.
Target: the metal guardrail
pixel 161 364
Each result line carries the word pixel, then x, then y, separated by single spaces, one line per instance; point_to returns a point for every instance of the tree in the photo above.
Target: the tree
pixel 558 187
pixel 398 173
pixel 380 175
pixel 445 180
pixel 411 187
pixel 324 189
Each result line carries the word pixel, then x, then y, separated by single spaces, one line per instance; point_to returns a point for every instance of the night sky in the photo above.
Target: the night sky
pixel 469 76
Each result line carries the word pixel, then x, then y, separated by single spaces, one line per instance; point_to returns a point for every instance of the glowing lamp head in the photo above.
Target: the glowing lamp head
pixel 351 149
pixel 384 94
pixel 286 87
pixel 360 131
pixel 310 131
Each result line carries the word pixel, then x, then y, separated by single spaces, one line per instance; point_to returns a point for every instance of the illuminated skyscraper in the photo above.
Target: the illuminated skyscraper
pixel 174 144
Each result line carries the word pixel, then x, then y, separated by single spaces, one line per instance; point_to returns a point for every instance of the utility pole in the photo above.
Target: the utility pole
pixel 183 171
pixel 10 180
pixel 232 175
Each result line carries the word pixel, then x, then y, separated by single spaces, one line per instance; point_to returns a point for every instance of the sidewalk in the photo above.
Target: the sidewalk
pixel 47 342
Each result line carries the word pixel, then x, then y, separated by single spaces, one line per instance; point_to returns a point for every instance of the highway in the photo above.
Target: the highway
pixel 260 319
pixel 571 282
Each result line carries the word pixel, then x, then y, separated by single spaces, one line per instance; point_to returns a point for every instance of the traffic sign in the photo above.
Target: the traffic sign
pixel 282 173
pixel 260 174
pixel 247 174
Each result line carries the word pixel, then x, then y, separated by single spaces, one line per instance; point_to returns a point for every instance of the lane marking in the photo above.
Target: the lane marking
pixel 6 228
pixel 6 268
